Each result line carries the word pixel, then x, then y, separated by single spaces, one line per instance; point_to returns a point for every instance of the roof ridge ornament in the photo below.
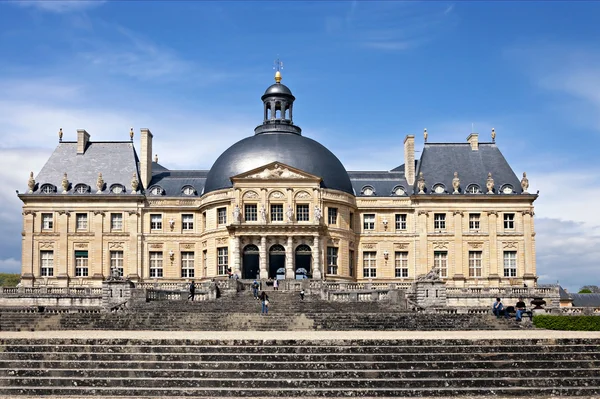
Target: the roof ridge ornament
pixel 493 135
pixel 490 183
pixel 60 135
pixel 421 183
pixel 425 134
pixel 31 183
pixel 65 183
pixel 278 66
pixel 131 133
pixel 525 183
pixel 99 184
pixel 456 183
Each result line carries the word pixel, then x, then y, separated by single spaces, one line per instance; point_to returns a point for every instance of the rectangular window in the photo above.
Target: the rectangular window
pixel 46 263
pixel 332 216
pixel 250 212
pixel 222 261
pixel 332 258
pixel 205 262
pixel 369 221
pixel 221 216
pixel 155 222
pixel 81 264
pixel 473 221
pixel 351 221
pixel 187 264
pixel 156 264
pixel 369 264
pixel 439 221
pixel 187 222
pixel 81 221
pixel 351 263
pixel 401 263
pixel 116 221
pixel 47 221
pixel 302 214
pixel 474 263
pixel 203 221
pixel 401 221
pixel 116 262
pixel 509 221
pixel 510 263
pixel 440 262
pixel 276 212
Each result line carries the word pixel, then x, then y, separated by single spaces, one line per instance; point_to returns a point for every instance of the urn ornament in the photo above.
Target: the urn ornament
pixel 134 183
pixel 65 184
pixel 456 183
pixel 490 183
pixel 31 183
pixel 421 183
pixel 99 183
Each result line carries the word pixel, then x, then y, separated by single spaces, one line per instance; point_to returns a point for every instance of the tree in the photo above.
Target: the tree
pixel 9 280
pixel 585 291
pixel 589 289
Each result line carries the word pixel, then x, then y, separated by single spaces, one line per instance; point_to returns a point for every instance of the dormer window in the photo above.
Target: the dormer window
pixel 156 190
pixel 473 189
pixel 367 190
pixel 439 189
pixel 82 188
pixel 399 190
pixel 117 189
pixel 507 189
pixel 188 190
pixel 48 189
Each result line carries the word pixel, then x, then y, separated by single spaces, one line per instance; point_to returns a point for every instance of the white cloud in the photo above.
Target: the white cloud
pixel 59 6
pixel 10 265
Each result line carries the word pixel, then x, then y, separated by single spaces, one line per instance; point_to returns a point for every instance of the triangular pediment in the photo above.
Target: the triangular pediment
pixel 276 171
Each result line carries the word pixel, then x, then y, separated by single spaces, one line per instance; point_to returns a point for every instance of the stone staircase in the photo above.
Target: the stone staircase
pixel 240 311
pixel 113 367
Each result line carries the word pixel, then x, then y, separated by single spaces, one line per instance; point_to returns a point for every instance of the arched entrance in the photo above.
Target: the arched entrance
pixel 250 262
pixel 276 259
pixel 303 262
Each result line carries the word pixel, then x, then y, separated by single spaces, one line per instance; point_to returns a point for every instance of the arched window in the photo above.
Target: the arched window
pixel 117 189
pixel 303 248
pixel 188 190
pixel 250 249
pixel 399 190
pixel 472 189
pixel 367 190
pixel 156 190
pixel 439 189
pixel 507 189
pixel 82 188
pixel 48 189
pixel 277 249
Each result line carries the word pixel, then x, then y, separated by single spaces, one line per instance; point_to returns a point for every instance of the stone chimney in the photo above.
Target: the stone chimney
pixel 146 157
pixel 409 159
pixel 473 139
pixel 83 139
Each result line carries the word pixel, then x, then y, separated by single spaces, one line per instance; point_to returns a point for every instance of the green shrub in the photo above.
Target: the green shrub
pixel 567 323
pixel 9 280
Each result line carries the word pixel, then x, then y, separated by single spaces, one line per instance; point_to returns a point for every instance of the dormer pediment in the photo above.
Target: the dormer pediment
pixel 276 171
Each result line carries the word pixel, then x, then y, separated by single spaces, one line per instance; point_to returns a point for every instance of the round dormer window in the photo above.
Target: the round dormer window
pixel 156 190
pixel 399 190
pixel 47 189
pixel 439 189
pixel 507 189
pixel 473 189
pixel 188 190
pixel 117 189
pixel 81 188
pixel 368 190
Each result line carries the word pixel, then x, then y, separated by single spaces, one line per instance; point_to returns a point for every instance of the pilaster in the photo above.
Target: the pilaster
pixel 263 258
pixel 289 259
pixel 96 253
pixel 235 245
pixel 130 256
pixel 493 255
pixel 65 263
pixel 459 264
pixel 423 264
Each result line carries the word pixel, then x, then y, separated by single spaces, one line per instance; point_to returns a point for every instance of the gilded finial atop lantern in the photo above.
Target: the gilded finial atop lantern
pixel 278 67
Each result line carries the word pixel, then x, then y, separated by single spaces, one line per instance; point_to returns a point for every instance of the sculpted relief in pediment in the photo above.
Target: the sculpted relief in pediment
pixel 276 171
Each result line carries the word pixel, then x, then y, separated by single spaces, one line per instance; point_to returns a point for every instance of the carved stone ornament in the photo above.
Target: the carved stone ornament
pixel 440 245
pixel 60 134
pixel 425 135
pixel 221 241
pixel 250 194
pixel 81 245
pixel 275 172
pixel 65 183
pixel 493 135
pixel 490 183
pixel 263 214
pixel 455 183
pixel 303 195
pixel 31 183
pixel 369 246
pixel 236 213
pixel 203 244
pixel 495 213
pixel 318 213
pixel 426 213
pixel 115 245
pixel 476 245
pixel 289 213
pixel 134 183
pixel 276 194
pixel 458 213
pixel 46 244
pixel 512 244
pixel 99 213
pixel 401 245
pixel 171 223
pixel 131 134
pixel 525 183
pixel 421 183
pixel 133 213
pixel 351 244
pixel 187 246
pixel 432 275
pixel 156 246
pixel 99 183
pixel 68 213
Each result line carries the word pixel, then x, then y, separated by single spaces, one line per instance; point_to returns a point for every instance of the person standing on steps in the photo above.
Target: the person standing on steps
pixel 192 291
pixel 264 298
pixel 276 285
pixel 302 294
pixel 255 289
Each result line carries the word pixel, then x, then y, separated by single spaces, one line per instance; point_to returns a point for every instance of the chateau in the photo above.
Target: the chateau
pixel 277 205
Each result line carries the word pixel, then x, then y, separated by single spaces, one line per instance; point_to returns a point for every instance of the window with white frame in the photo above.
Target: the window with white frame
pixel 187 222
pixel 332 214
pixel 369 264
pixel 46 263
pixel 439 221
pixel 47 221
pixel 351 263
pixel 474 221
pixel 187 265
pixel 401 264
pixel 510 263
pixel 156 264
pixel 221 216
pixel 401 221
pixel 116 221
pixel 276 212
pixel 155 221
pixel 509 221
pixel 222 260
pixel 440 262
pixel 250 212
pixel 81 264
pixel 474 263
pixel 369 221
pixel 81 221
pixel 332 258
pixel 116 262
pixel 302 213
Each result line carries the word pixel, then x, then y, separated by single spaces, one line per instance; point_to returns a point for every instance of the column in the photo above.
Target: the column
pixel 316 259
pixel 289 259
pixel 263 258
pixel 235 241
pixel 493 255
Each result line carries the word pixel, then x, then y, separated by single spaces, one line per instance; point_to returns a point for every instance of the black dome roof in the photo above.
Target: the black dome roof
pixel 277 89
pixel 290 149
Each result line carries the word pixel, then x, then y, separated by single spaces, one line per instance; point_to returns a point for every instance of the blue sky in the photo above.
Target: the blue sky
pixel 365 74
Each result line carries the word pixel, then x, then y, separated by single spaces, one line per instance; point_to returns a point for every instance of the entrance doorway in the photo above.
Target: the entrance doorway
pixel 276 259
pixel 250 265
pixel 303 262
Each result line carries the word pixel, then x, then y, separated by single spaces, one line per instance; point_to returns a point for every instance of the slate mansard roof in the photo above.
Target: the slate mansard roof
pixel 172 182
pixel 117 161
